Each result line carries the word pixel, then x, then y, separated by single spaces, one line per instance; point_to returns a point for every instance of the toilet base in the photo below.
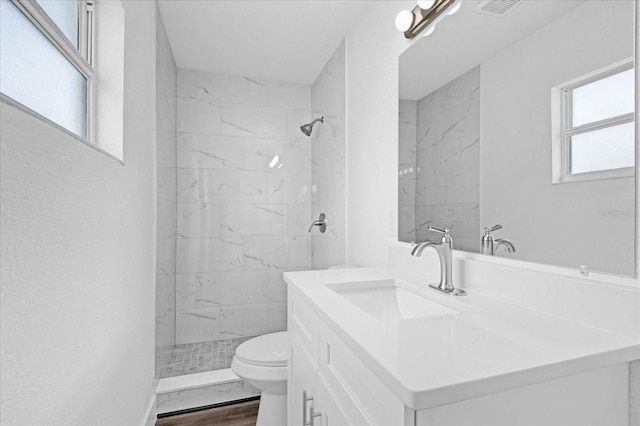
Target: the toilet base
pixel 272 410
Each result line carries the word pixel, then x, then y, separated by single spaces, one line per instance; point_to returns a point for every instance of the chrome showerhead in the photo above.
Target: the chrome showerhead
pixel 306 129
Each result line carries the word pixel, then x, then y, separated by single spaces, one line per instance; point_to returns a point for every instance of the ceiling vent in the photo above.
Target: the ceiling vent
pixel 497 8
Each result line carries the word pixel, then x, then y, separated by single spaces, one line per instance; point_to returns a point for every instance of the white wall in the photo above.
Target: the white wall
pixel 328 165
pixel 77 247
pixel 373 48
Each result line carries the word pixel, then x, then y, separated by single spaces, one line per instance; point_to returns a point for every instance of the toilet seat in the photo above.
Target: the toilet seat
pixel 270 350
pixel 262 363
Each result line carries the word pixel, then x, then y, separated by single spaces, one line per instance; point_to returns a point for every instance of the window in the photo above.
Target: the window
pixel 596 138
pixel 45 60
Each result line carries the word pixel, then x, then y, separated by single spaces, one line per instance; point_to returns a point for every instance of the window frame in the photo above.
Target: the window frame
pixel 80 58
pixel 562 137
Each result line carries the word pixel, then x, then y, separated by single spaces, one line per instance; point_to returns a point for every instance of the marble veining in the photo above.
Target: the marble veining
pixel 407 169
pixel 439 153
pixel 243 196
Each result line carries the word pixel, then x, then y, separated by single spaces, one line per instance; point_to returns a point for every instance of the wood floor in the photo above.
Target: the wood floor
pixel 242 414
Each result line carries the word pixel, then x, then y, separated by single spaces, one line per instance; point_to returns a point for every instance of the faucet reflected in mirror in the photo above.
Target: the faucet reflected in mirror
pixel 489 245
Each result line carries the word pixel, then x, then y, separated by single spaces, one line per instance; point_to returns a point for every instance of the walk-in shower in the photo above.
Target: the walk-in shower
pixel 307 128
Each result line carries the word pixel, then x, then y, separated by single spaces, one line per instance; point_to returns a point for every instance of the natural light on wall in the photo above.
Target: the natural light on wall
pixel 65 14
pixel 594 119
pixel 603 109
pixel 63 60
pixel 36 74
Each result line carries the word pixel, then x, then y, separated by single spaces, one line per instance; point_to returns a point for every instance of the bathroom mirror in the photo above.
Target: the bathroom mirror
pixel 523 119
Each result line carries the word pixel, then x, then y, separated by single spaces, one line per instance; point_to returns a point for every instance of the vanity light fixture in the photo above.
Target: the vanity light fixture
pixel 424 16
pixel 426 4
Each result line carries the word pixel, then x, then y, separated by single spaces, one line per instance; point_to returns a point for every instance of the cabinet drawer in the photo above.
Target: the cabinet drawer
pixel 336 410
pixel 303 323
pixel 349 379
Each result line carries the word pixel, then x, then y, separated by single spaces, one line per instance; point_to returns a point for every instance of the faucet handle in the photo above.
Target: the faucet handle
pixel 493 228
pixel 446 238
pixel 444 231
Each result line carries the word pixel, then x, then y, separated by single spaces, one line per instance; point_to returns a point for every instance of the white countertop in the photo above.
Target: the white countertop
pixel 488 347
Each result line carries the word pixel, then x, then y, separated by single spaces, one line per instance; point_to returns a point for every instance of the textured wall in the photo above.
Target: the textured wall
pixel 373 48
pixel 166 77
pixel 77 248
pixel 328 165
pixel 242 217
pixel 448 162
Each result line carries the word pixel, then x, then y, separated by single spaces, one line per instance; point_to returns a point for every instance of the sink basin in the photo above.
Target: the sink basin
pixel 388 300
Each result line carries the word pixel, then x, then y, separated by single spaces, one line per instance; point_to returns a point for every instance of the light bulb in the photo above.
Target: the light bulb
pixel 426 4
pixel 404 20
pixel 455 8
pixel 429 30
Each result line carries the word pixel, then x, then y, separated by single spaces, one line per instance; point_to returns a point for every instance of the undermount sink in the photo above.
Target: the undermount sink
pixel 388 300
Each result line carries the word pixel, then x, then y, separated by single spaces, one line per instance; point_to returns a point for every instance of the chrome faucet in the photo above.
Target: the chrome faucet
pixel 321 223
pixel 489 245
pixel 508 245
pixel 444 250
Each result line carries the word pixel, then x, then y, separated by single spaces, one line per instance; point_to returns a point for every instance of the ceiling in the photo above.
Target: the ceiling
pixel 275 40
pixel 466 39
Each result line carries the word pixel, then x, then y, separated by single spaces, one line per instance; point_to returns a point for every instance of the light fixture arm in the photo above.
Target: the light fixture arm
pixel 422 18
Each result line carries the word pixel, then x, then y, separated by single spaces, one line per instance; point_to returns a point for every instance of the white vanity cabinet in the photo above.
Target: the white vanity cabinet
pixel 341 389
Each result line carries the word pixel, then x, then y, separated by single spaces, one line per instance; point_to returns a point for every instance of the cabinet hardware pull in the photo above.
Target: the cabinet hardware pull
pixel 306 399
pixel 313 415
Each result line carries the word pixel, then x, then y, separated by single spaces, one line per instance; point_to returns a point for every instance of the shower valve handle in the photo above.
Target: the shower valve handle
pixel 320 223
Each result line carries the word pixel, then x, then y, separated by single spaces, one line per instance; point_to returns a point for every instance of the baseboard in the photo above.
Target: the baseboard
pixel 208 407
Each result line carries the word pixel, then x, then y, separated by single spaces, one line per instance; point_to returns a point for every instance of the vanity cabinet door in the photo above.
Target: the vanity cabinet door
pixel 328 410
pixel 301 384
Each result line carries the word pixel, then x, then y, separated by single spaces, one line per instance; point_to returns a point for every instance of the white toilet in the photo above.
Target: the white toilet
pixel 262 362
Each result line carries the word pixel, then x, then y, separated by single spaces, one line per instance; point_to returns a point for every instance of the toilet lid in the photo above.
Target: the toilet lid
pixel 269 350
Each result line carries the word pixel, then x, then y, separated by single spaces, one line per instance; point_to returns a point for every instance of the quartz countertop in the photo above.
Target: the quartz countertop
pixel 488 347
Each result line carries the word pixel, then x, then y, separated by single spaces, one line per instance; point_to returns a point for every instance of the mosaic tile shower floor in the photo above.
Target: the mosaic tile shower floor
pixel 194 358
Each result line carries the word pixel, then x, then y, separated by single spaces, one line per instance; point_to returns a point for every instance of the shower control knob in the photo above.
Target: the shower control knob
pixel 320 223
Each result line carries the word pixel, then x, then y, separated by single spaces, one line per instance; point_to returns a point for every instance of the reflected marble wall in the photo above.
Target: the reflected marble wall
pixel 166 190
pixel 448 161
pixel 328 167
pixel 243 200
pixel 408 130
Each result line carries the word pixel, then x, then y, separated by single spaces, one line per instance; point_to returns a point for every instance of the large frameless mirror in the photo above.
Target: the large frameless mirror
pixel 524 120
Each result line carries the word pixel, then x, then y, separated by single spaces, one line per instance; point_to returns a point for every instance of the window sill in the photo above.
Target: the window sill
pixel 13 103
pixel 626 172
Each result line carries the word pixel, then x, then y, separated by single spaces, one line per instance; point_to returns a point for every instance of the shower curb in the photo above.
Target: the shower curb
pixel 200 390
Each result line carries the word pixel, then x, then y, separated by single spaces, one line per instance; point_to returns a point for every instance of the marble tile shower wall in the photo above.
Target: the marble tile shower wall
pixel 407 137
pixel 166 77
pixel 329 162
pixel 448 161
pixel 244 203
